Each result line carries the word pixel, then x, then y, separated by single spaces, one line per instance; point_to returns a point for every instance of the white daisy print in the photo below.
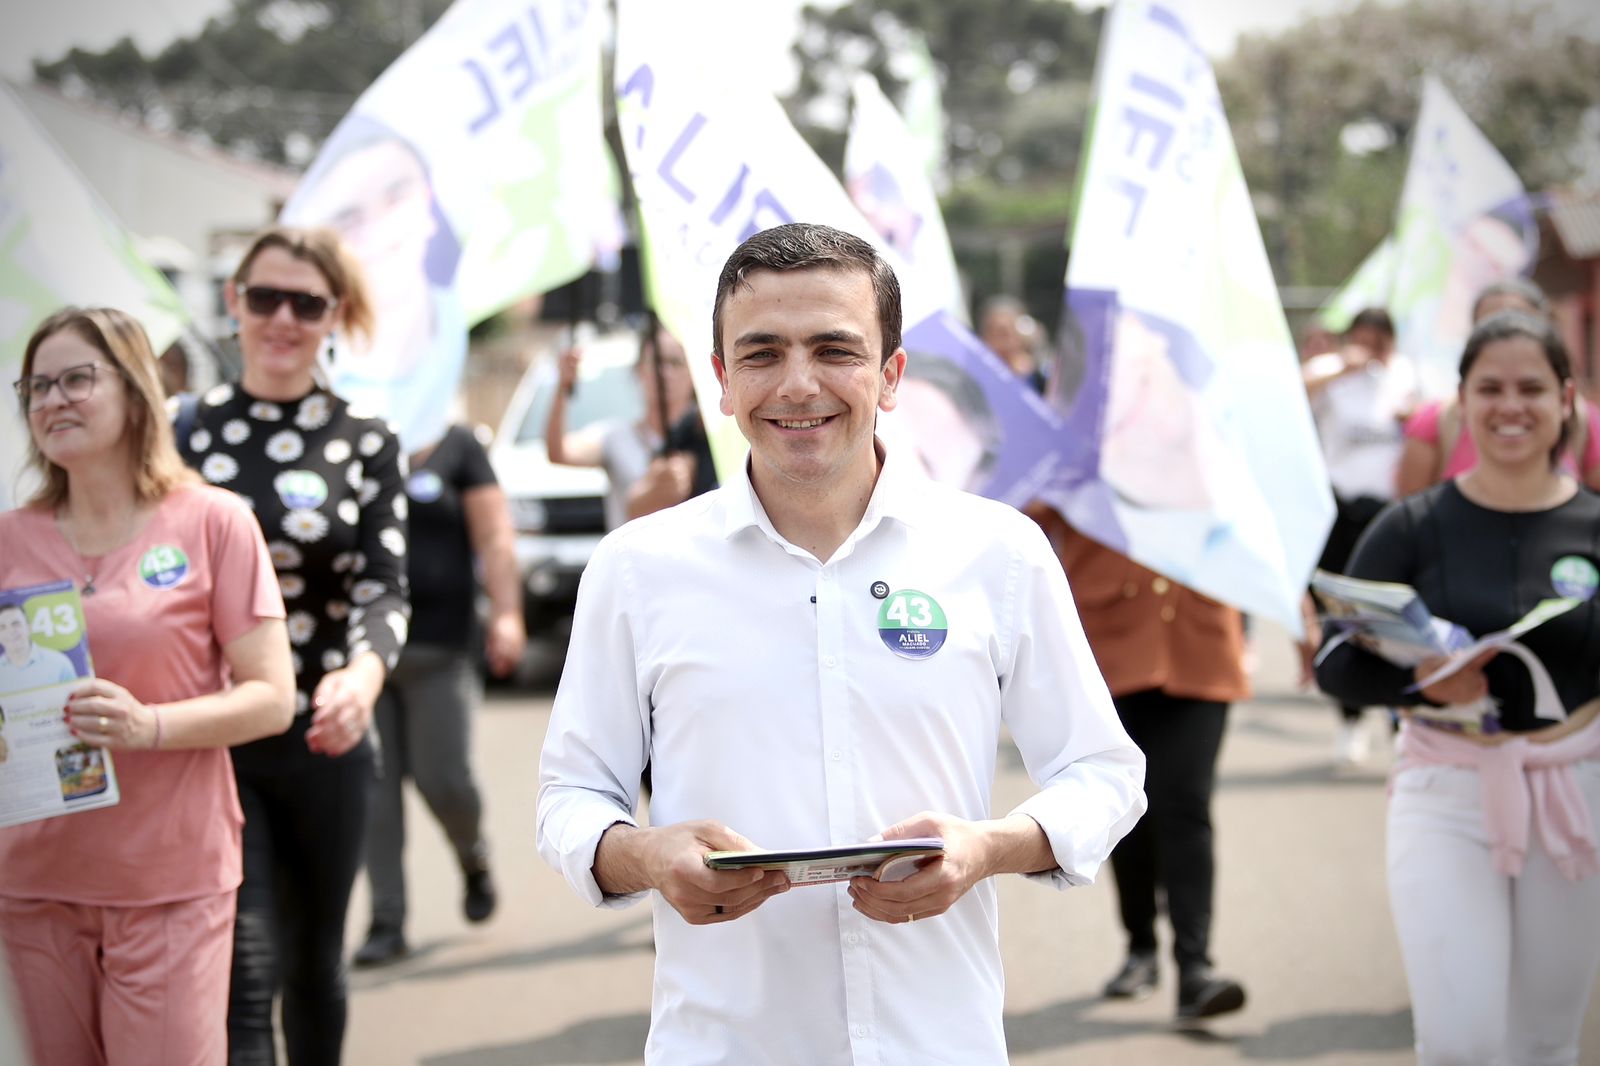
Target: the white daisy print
pixel 361 410
pixel 200 440
pixel 284 556
pixel 305 526
pixel 353 474
pixel 338 610
pixel 285 446
pixel 394 540
pixel 371 441
pixel 360 647
pixel 369 491
pixel 349 512
pixel 314 412
pixel 343 561
pixel 397 623
pixel 302 702
pixel 360 565
pixel 365 592
pixel 235 431
pixel 301 627
pixel 262 411
pixel 332 659
pixel 336 451
pixel 219 469
pixel 358 632
pixel 292 586
pixel 402 509
pixel 295 662
pixel 219 396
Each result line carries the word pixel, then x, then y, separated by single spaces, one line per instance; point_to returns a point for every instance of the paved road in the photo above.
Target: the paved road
pixel 1301 918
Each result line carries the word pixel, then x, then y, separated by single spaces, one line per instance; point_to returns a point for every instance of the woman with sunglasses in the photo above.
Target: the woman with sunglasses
pixel 1494 878
pixel 118 922
pixel 326 485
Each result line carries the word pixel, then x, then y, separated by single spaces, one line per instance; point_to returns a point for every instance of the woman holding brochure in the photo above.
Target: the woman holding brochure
pixel 118 922
pixel 1494 879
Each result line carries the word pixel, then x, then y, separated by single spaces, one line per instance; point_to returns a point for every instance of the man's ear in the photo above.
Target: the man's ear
pixel 721 370
pixel 893 370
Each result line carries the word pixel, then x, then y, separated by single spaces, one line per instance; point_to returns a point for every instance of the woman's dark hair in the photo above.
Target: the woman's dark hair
pixel 1516 288
pixel 1510 325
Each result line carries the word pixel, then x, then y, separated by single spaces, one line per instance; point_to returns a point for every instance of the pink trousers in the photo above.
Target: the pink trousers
pixel 122 986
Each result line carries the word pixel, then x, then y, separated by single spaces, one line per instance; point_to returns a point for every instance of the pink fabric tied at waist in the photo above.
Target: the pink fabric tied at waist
pixel 1523 782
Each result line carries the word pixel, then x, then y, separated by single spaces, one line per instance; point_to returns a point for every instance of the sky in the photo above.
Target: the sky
pixel 47 28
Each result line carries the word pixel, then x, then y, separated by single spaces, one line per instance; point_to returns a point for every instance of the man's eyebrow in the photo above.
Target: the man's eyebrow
pixel 832 336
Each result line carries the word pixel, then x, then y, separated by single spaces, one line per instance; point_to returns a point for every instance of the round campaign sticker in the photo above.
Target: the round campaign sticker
pixel 424 486
pixel 163 566
pixel 1575 576
pixel 300 490
pixel 912 624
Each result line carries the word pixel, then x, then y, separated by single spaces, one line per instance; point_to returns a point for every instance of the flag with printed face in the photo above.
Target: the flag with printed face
pixel 472 173
pixel 883 172
pixel 59 245
pixel 713 163
pixel 1190 445
pixel 1465 222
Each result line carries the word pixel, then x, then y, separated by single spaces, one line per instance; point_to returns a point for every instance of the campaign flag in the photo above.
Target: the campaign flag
pixel 884 174
pixel 472 173
pixel 1369 286
pixel 1190 441
pixel 1465 222
pixel 714 162
pixel 59 245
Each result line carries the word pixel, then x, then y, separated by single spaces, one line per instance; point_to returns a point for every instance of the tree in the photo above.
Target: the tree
pixel 269 80
pixel 1322 114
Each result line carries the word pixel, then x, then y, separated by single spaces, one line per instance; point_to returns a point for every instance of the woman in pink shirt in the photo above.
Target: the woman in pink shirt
pixel 118 922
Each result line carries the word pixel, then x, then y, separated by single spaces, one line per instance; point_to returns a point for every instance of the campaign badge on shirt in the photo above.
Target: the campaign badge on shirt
pixel 424 486
pixel 163 567
pixel 1575 576
pixel 300 490
pixel 912 624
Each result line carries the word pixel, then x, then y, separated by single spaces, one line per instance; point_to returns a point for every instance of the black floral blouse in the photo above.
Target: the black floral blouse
pixel 328 487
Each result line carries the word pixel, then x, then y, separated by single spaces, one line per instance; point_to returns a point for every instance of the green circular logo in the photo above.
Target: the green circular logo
pixel 163 567
pixel 912 624
pixel 1575 576
pixel 55 620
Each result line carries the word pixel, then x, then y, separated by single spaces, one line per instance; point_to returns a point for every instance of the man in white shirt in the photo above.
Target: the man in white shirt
pixel 823 651
pixel 23 664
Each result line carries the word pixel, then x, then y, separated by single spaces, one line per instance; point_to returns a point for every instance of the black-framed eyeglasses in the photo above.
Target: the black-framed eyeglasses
pixel 75 382
pixel 264 300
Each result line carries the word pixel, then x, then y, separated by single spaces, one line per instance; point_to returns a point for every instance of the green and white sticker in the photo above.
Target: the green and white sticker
pixel 163 567
pixel 912 624
pixel 1575 576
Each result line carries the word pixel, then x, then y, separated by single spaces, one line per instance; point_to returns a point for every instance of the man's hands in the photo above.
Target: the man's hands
pixel 671 860
pixel 972 851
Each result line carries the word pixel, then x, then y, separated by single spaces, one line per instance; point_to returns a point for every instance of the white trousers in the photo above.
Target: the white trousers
pixel 1500 968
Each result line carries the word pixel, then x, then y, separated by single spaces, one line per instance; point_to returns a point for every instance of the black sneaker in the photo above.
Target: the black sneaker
pixel 1136 979
pixel 1204 994
pixel 480 898
pixel 385 944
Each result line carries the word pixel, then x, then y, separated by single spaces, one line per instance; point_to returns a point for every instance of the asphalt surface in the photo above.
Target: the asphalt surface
pixel 1301 918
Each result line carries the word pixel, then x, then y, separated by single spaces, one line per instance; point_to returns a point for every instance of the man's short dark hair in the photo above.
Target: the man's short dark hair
pixel 806 246
pixel 1372 318
pixel 4 607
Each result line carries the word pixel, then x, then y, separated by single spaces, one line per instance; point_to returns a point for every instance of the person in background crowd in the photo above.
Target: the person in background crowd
pixel 458 514
pixel 644 477
pixel 1494 878
pixel 327 486
pixel 1436 449
pixel 1360 396
pixel 1016 337
pixel 118 922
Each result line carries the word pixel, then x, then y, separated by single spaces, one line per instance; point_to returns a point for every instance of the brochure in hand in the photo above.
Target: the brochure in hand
pixel 44 654
pixel 884 860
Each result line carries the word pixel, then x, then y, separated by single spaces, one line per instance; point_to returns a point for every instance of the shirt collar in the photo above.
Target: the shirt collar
pixel 894 497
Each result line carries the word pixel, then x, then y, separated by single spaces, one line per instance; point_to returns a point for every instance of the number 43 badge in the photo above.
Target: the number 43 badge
pixel 912 624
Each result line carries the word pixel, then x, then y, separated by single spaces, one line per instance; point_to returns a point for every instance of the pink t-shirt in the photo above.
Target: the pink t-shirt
pixel 175 834
pixel 1424 426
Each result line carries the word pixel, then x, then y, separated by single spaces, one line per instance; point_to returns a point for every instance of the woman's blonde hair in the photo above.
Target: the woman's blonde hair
pixel 157 466
pixel 324 249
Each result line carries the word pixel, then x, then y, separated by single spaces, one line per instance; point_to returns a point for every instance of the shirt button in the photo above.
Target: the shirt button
pixel 1168 613
pixel 1160 585
pixel 828 662
pixel 853 938
pixel 836 754
pixel 861 1030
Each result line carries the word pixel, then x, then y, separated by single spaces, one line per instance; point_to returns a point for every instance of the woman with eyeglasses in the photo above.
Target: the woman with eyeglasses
pixel 327 487
pixel 118 922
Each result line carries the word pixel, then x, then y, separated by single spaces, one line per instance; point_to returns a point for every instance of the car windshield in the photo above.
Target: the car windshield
pixel 611 393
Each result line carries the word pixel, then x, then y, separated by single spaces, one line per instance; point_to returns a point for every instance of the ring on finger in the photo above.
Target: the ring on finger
pixel 104 722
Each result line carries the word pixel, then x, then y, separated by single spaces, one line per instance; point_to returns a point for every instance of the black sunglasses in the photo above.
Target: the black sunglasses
pixel 307 307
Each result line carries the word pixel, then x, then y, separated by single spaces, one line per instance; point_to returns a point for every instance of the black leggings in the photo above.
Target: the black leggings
pixel 305 820
pixel 1171 845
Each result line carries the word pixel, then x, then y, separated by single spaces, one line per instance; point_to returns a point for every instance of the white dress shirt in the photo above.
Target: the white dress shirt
pixel 1360 421
pixel 756 682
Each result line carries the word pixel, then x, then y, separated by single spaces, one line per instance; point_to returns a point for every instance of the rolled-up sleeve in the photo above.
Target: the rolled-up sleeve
pixel 598 741
pixel 1089 772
